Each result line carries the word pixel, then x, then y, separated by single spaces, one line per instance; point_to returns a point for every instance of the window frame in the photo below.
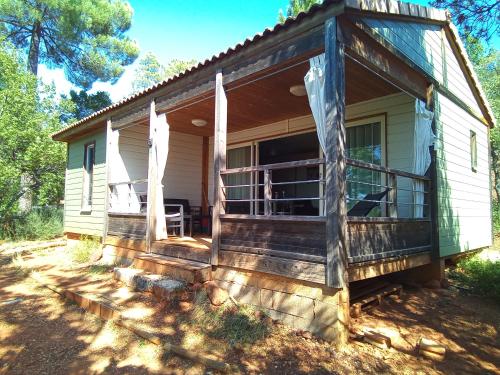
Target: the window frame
pixel 473 151
pixel 87 179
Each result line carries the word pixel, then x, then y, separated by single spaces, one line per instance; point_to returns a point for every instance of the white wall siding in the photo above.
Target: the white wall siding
pixel 74 221
pixel 182 178
pixel 464 214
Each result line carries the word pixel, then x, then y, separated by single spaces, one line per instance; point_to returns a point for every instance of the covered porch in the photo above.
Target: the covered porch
pixel 245 155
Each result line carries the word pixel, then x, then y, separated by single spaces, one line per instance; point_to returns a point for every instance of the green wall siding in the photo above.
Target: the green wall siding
pixel 464 215
pixel 74 220
pixel 423 45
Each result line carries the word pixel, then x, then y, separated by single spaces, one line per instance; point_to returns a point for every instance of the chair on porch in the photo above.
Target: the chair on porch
pixel 364 206
pixel 179 211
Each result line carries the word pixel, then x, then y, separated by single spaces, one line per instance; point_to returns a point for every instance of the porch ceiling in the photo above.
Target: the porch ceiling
pixel 268 100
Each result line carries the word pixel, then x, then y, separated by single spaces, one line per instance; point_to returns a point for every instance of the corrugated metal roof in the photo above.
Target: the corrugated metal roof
pixel 380 6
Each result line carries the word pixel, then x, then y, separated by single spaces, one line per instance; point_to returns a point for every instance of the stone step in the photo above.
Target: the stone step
pixel 182 269
pixel 139 280
pixel 182 252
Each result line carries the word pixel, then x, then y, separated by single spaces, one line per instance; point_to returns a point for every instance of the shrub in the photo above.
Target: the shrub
pixel 496 216
pixel 39 224
pixel 481 275
pixel 233 324
pixel 81 252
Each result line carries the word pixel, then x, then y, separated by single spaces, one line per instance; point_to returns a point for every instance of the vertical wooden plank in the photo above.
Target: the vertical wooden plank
pixel 204 176
pixel 433 187
pixel 392 196
pixel 335 204
pixel 268 195
pixel 152 179
pixel 220 141
pixel 109 145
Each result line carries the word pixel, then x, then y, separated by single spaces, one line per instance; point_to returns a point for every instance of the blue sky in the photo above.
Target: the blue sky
pixel 186 29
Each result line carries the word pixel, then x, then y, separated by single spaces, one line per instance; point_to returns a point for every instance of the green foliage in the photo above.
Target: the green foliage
pixel 496 216
pixel 82 104
pixel 295 7
pixel 81 252
pixel 28 115
pixel 233 324
pixel 86 37
pixel 150 71
pixel 482 275
pixel 39 224
pixel 473 17
pixel 487 66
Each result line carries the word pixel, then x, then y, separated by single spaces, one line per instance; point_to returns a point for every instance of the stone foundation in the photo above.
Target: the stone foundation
pixel 300 305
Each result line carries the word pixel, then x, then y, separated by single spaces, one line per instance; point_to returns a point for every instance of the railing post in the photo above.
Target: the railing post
pixel 220 136
pixel 268 195
pixel 392 196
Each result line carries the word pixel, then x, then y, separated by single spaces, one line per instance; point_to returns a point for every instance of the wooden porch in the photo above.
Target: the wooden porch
pixel 261 228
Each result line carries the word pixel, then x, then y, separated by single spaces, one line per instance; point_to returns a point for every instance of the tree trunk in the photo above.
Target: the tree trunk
pixel 34 51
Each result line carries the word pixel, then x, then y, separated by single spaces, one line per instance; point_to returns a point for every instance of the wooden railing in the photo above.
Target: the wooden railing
pixel 260 190
pixel 128 197
pixel 416 188
pixel 261 176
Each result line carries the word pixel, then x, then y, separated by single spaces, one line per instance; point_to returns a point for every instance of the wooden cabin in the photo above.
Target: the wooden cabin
pixel 345 144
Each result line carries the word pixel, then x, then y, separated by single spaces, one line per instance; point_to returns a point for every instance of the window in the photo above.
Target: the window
pixel 88 176
pixel 473 151
pixel 364 142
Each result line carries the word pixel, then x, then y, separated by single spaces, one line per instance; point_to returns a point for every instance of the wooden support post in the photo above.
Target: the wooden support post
pixel 110 140
pixel 268 195
pixel 432 187
pixel 152 179
pixel 392 196
pixel 335 204
pixel 204 176
pixel 220 137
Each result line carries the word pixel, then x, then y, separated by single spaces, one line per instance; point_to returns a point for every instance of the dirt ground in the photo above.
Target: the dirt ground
pixel 40 333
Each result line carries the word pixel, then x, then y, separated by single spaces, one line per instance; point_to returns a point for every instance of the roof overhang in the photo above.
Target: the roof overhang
pixel 296 38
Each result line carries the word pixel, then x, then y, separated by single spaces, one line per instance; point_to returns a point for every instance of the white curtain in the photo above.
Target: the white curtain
pixel 161 152
pixel 423 138
pixel 315 87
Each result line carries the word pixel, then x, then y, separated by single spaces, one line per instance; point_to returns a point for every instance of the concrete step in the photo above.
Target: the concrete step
pixel 181 269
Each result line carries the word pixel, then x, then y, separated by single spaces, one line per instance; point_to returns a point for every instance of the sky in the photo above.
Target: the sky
pixel 185 29
pixel 182 29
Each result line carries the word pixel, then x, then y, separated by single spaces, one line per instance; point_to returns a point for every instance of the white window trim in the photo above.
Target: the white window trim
pixel 85 207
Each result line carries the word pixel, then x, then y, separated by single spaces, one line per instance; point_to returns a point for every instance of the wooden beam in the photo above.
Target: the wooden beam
pixel 335 205
pixel 220 141
pixel 152 179
pixel 363 48
pixel 294 269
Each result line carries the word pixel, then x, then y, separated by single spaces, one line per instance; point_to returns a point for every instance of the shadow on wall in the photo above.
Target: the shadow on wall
pixel 448 220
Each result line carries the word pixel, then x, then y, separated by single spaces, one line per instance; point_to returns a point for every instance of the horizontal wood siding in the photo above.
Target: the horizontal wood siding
pixel 182 178
pixel 74 221
pixel 370 241
pixel 423 44
pixel 125 226
pixel 464 211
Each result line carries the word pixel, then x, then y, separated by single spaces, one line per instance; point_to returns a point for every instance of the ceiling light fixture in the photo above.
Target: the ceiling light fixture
pixel 298 90
pixel 198 122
